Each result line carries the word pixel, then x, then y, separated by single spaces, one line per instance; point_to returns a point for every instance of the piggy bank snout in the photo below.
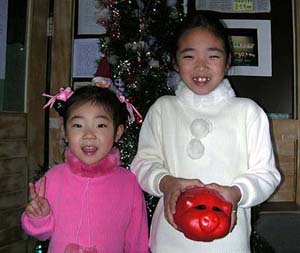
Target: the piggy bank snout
pixel 209 221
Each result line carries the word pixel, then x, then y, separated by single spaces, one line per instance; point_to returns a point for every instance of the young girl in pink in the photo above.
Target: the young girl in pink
pixel 89 203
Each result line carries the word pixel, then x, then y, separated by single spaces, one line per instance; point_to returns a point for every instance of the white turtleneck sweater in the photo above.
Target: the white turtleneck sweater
pixel 217 138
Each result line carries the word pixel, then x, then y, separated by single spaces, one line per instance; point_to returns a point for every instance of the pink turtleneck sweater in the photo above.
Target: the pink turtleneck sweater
pixel 96 208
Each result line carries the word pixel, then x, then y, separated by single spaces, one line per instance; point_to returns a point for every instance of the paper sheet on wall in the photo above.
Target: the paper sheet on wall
pixel 234 6
pixel 88 16
pixel 85 56
pixel 3 36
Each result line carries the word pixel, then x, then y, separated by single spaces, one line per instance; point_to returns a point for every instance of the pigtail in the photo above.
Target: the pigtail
pixel 59 100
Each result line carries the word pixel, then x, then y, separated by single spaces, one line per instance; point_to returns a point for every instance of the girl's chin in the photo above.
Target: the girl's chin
pixel 201 92
pixel 89 161
pixel 89 153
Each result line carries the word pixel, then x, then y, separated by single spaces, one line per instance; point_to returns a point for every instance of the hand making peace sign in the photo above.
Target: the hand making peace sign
pixel 38 206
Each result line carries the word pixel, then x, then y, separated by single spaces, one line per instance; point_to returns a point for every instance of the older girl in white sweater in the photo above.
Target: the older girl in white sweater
pixel 205 136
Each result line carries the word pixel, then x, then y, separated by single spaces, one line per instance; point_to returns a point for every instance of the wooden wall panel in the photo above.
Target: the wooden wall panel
pixel 13 148
pixel 13 180
pixel 19 247
pixel 11 235
pixel 12 125
pixel 11 166
pixel 10 218
pixel 11 200
pixel 285 134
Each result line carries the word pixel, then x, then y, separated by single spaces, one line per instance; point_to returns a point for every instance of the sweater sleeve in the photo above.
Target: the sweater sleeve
pixel 136 237
pixel 40 228
pixel 148 164
pixel 262 177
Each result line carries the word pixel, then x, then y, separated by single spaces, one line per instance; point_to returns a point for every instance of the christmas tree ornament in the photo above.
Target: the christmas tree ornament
pixel 103 76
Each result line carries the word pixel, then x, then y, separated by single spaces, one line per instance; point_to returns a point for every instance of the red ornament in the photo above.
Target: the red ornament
pixel 202 214
pixel 103 69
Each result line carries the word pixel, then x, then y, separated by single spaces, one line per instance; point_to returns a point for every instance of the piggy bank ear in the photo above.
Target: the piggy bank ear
pixel 185 203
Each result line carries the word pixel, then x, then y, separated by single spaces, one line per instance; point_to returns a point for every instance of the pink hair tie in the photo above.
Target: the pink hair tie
pixel 130 108
pixel 63 95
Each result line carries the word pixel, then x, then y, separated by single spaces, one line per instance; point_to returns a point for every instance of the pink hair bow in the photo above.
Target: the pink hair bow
pixel 63 95
pixel 130 108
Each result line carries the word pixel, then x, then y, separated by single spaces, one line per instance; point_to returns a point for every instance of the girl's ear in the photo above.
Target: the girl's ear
pixel 63 133
pixel 120 131
pixel 228 63
pixel 175 66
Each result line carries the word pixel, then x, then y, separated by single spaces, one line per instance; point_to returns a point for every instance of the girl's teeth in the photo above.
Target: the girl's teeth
pixel 89 148
pixel 201 79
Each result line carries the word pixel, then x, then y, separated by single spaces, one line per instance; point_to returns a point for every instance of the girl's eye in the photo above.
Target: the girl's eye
pixel 214 57
pixel 187 57
pixel 101 125
pixel 77 125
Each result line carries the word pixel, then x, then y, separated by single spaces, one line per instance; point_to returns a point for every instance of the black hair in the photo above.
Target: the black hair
pixel 207 21
pixel 97 96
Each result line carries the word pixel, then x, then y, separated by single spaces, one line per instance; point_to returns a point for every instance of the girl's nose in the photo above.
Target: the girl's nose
pixel 89 134
pixel 201 65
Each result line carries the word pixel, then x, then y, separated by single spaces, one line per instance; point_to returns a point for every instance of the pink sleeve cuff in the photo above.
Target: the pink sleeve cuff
pixel 40 228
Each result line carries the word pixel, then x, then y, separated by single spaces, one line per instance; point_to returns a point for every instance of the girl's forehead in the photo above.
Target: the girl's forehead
pixel 88 108
pixel 87 104
pixel 198 32
pixel 200 37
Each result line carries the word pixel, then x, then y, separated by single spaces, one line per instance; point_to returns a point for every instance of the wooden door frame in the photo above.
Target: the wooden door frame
pixel 60 73
pixel 296 7
pixel 36 81
pixel 62 48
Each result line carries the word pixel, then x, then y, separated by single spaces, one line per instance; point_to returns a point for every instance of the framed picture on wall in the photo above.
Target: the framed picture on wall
pixel 252 47
pixel 245 47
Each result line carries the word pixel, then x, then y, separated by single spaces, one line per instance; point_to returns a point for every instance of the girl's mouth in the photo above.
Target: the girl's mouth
pixel 201 79
pixel 89 150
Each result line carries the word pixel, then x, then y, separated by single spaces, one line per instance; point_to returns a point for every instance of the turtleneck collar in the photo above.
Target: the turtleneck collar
pixel 101 168
pixel 221 93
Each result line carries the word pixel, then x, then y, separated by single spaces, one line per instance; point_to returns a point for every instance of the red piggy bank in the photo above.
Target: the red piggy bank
pixel 202 214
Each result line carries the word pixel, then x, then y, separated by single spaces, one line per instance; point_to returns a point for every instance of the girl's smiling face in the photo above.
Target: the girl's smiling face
pixel 90 132
pixel 201 60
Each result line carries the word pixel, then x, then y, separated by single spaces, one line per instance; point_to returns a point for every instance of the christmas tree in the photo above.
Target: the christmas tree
pixel 137 45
